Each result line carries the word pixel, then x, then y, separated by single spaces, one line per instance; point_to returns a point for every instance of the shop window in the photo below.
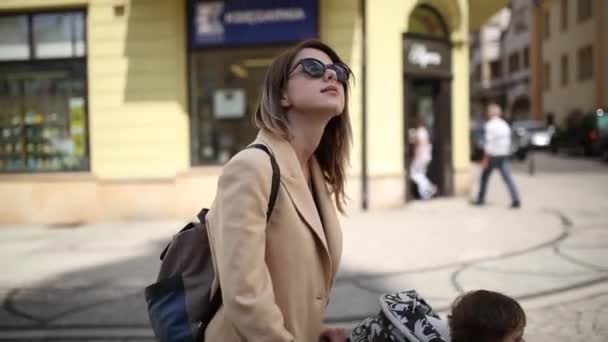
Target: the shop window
pixel 225 85
pixel 585 10
pixel 43 105
pixel 58 35
pixel 14 33
pixel 585 63
pixel 565 70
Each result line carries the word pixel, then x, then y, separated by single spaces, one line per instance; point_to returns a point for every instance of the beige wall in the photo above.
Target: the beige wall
pixel 137 86
pixel 576 95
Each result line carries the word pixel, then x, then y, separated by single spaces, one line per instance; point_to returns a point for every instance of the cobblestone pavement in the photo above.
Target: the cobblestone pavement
pixel 86 284
pixel 580 320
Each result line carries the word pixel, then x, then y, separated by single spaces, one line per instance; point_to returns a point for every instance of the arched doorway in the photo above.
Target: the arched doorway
pixel 427 85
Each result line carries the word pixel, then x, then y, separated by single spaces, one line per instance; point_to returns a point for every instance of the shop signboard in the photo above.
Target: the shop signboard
pixel 429 57
pixel 246 22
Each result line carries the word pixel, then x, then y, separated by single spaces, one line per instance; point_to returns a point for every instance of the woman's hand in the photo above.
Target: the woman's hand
pixel 333 335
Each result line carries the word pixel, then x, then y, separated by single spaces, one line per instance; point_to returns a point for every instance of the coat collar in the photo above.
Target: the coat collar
pixel 295 184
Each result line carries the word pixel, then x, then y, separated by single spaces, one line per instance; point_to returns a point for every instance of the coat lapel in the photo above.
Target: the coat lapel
pixel 331 225
pixel 295 183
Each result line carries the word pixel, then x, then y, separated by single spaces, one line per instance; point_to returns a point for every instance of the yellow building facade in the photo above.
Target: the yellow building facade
pixel 145 155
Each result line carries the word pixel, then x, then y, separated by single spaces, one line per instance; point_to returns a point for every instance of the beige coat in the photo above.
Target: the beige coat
pixel 275 277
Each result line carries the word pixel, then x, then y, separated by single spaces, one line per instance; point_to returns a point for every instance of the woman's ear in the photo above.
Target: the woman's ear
pixel 284 100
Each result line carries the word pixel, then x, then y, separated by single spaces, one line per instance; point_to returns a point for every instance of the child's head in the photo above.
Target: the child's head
pixel 486 316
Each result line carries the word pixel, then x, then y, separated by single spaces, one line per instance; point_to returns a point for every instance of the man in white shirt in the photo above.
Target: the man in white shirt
pixel 497 146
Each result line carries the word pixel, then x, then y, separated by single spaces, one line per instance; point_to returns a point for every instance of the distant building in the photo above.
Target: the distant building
pixel 569 72
pixel 500 62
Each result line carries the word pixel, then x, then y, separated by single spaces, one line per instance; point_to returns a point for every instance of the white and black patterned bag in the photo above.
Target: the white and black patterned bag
pixel 403 317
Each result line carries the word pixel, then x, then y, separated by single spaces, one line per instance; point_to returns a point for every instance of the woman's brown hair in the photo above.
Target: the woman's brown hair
pixel 334 149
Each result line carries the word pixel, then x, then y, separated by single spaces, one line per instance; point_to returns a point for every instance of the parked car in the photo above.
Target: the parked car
pixel 581 133
pixel 529 135
pixel 603 134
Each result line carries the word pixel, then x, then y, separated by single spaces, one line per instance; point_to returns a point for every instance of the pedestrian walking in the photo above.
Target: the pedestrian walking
pixel 276 275
pixel 420 163
pixel 497 147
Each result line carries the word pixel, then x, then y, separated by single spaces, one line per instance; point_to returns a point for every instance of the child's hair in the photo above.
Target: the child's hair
pixel 484 316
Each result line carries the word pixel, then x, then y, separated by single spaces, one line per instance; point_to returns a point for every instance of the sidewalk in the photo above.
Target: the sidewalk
pixel 446 247
pixel 87 283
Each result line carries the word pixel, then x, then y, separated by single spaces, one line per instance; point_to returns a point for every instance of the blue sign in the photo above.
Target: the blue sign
pixel 247 22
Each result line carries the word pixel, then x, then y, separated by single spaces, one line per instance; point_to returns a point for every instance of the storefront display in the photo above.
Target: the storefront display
pixel 225 84
pixel 42 100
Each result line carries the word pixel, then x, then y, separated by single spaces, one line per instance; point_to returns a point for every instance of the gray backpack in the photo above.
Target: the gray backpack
pixel 180 305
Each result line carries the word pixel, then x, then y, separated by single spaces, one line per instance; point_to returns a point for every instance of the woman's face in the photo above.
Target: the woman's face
pixel 307 94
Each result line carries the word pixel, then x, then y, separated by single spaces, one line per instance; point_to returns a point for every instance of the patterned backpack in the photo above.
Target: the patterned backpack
pixel 403 317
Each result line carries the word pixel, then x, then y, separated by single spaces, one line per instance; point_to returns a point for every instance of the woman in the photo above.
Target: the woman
pixel 422 158
pixel 276 276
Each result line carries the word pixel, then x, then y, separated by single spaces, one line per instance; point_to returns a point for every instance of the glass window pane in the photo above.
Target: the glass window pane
pixel 43 117
pixel 79 41
pixel 53 35
pixel 225 87
pixel 427 21
pixel 14 38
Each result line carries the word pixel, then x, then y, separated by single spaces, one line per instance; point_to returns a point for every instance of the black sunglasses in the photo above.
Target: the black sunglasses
pixel 316 69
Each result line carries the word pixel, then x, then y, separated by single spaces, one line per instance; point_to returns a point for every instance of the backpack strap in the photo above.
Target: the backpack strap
pixel 276 178
pixel 274 187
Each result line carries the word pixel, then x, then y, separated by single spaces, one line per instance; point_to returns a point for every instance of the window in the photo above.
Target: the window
pixel 58 35
pixel 564 12
pixel 514 62
pixel 520 20
pixel 495 70
pixel 526 57
pixel 426 21
pixel 225 86
pixel 14 44
pixel 585 10
pixel 585 63
pixel 547 77
pixel 43 117
pixel 547 25
pixel 565 70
